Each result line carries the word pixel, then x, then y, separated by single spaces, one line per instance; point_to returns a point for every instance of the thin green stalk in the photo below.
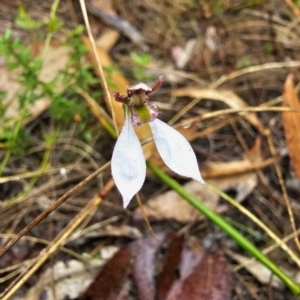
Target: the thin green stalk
pixel 227 228
pixel 50 33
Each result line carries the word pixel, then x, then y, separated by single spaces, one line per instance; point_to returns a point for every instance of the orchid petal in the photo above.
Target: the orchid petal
pixel 175 150
pixel 128 163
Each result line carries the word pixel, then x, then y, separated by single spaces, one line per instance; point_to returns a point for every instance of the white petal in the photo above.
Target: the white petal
pixel 175 150
pixel 128 163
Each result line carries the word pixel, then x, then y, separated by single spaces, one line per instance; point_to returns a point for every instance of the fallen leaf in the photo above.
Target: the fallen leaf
pixel 162 268
pixel 242 184
pixel 170 205
pixel 202 276
pixel 108 39
pixel 111 230
pixel 219 169
pixel 259 271
pixel 143 269
pixel 137 259
pixel 64 280
pixel 226 96
pixel 105 12
pixel 112 276
pixel 169 273
pixel 253 161
pixel 291 123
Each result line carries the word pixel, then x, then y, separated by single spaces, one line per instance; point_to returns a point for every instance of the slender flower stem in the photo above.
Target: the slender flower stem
pixel 227 228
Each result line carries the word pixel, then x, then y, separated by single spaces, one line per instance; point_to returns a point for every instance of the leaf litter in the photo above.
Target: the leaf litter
pixel 162 267
pixel 252 90
pixel 291 123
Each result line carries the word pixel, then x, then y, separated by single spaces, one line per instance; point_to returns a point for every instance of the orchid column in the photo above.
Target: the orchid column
pixel 128 162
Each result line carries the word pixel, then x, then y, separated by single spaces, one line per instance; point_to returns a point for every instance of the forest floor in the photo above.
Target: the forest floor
pixel 230 67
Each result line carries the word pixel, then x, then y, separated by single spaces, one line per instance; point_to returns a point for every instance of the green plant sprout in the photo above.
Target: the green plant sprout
pixel 65 104
pixel 141 61
pixel 25 21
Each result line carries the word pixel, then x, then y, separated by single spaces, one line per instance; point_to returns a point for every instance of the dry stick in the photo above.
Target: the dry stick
pixel 283 188
pixel 40 241
pixel 255 109
pixel 138 198
pixel 234 75
pixel 184 110
pixel 262 225
pixel 51 208
pixel 97 110
pixel 51 249
pixel 248 109
pixel 98 61
pixel 241 111
pixel 277 239
pixel 295 9
pixel 253 69
pixel 229 111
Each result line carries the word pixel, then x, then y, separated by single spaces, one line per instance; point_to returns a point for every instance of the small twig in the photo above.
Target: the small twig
pixel 51 208
pixel 99 64
pixel 257 221
pixel 98 111
pixel 51 249
pixel 295 9
pixel 58 242
pixel 283 188
pixel 228 111
pixel 253 69
pixel 138 198
pixel 121 25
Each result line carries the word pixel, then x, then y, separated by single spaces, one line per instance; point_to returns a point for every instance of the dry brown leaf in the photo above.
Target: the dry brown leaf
pixel 253 161
pixel 108 39
pixel 216 170
pixel 226 96
pixel 112 230
pixel 291 123
pixel 112 276
pixel 162 267
pixel 202 276
pixel 259 271
pixel 170 205
pixel 105 5
pixel 64 280
pixel 243 185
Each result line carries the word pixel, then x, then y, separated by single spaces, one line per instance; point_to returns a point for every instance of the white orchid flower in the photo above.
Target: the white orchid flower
pixel 128 162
